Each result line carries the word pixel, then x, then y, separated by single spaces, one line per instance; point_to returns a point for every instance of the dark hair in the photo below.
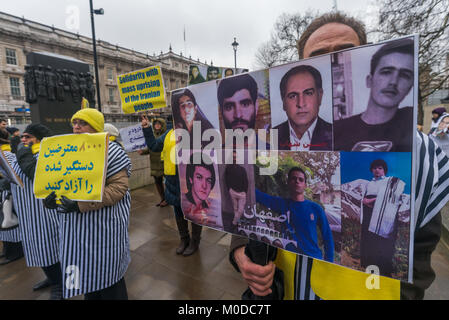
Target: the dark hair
pixel 379 163
pixel 11 130
pixel 296 169
pixel 405 46
pixel 300 69
pixel 439 111
pixel 232 70
pixel 38 130
pixel 4 137
pixel 213 68
pixel 331 17
pixel 236 178
pixel 190 169
pixel 229 86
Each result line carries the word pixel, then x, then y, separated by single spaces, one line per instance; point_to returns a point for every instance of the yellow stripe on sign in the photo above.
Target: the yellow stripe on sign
pixel 333 282
pixel 285 261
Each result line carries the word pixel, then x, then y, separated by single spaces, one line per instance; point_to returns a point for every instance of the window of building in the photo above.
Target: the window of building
pixel 111 95
pixel 110 74
pixel 15 88
pixel 11 56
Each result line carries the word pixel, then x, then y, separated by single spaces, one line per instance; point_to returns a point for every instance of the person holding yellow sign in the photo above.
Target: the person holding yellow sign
pixel 39 226
pixel 95 243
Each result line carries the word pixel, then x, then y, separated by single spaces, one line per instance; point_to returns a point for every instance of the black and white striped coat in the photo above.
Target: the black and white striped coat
pixel 95 244
pixel 39 226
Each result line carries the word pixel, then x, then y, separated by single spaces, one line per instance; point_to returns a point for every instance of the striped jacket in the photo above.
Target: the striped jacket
pixel 94 247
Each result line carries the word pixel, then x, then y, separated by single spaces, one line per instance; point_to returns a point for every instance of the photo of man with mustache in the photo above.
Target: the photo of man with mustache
pixel 383 126
pixel 237 98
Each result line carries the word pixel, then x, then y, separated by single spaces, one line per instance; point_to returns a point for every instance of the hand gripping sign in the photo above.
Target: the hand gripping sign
pixel 72 165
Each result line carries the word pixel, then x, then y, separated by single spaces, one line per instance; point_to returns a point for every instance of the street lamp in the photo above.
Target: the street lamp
pixel 97 79
pixel 235 44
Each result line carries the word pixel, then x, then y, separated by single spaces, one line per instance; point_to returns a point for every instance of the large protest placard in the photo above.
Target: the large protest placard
pixel 72 165
pixel 314 156
pixel 142 90
pixel 133 138
pixel 199 73
pixel 7 170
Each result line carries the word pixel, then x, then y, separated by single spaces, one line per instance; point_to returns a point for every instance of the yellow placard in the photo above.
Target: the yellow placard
pixel 142 90
pixel 73 165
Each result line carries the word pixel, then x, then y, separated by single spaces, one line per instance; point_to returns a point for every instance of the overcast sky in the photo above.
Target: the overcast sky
pixel 150 26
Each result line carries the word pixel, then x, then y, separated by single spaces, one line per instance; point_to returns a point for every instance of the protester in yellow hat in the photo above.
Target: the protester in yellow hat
pixel 94 235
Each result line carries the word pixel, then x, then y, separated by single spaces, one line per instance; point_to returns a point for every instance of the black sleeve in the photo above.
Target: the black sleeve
pixel 5 185
pixel 426 240
pixel 26 161
pixel 154 144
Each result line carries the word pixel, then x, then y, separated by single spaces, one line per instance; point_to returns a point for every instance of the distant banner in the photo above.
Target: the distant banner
pixel 132 138
pixel 142 90
pixel 201 73
pixel 73 165
pixel 314 157
pixel 8 171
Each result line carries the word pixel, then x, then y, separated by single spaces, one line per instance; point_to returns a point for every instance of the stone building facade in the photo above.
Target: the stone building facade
pixel 19 36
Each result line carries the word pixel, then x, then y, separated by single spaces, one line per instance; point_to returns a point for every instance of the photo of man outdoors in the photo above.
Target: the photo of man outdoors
pixel 376 211
pixel 382 126
pixel 305 218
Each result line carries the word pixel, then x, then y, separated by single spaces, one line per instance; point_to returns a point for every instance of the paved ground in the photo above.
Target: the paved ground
pixel 156 272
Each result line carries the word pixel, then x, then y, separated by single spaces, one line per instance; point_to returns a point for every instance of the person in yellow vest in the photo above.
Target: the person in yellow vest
pixel 166 144
pixel 307 278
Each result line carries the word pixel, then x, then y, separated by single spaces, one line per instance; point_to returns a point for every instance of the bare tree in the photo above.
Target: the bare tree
pixel 429 18
pixel 281 47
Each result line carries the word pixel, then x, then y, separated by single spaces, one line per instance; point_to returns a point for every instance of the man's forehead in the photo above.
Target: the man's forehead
pixel 330 37
pixel 296 173
pixel 185 99
pixel 397 60
pixel 202 170
pixel 239 94
pixel 303 77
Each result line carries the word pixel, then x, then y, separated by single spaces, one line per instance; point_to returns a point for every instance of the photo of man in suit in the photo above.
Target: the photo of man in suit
pixel 301 91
